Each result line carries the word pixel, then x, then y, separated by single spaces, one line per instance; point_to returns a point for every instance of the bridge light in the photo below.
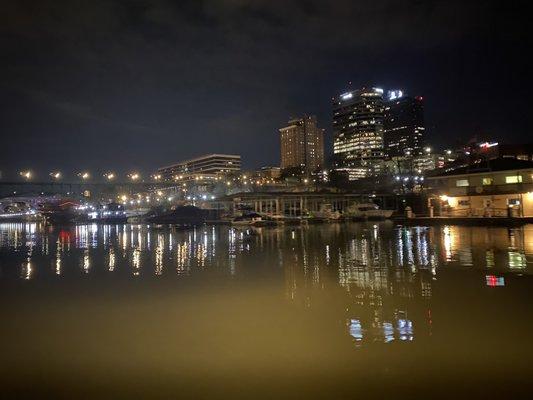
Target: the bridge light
pixel 26 174
pixel 84 175
pixel 55 175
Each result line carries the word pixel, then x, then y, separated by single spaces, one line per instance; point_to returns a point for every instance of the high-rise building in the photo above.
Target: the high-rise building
pixel 403 127
pixel 358 132
pixel 302 145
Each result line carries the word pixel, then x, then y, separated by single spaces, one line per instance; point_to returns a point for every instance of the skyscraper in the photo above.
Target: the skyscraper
pixel 358 132
pixel 403 125
pixel 302 145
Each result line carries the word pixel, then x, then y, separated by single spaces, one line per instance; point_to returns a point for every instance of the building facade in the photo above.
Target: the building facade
pixel 498 188
pixel 209 165
pixel 302 145
pixel 358 132
pixel 403 127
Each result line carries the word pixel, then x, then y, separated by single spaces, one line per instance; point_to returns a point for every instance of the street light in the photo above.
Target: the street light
pixel 56 175
pixel 84 175
pixel 26 174
pixel 134 176
pixel 109 176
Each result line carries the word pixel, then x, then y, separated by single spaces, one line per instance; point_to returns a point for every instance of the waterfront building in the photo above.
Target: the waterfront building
pixel 358 132
pixel 206 165
pixel 403 126
pixel 498 187
pixel 302 145
pixel 299 203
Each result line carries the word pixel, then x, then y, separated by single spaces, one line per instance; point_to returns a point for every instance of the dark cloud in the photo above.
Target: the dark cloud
pixel 144 83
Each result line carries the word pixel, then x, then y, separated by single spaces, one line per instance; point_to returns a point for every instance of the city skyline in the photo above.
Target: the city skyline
pixel 130 85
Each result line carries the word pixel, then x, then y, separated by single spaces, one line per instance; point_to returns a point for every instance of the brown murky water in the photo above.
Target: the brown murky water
pixel 355 310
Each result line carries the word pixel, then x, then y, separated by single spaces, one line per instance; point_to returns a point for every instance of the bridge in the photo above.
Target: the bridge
pixel 93 190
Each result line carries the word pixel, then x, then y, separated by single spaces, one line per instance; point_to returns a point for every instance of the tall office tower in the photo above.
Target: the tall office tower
pixel 302 145
pixel 358 132
pixel 403 125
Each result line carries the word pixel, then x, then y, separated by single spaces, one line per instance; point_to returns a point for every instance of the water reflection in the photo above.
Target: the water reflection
pixel 383 275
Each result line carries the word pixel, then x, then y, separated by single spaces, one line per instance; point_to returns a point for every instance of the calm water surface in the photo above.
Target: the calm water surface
pixel 326 311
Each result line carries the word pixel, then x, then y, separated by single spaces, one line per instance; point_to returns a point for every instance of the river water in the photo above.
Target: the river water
pixel 322 311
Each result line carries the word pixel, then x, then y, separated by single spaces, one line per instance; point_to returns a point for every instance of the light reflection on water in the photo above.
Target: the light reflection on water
pixel 376 283
pixel 371 260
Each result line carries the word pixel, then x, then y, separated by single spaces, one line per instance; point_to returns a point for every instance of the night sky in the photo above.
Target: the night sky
pixel 127 85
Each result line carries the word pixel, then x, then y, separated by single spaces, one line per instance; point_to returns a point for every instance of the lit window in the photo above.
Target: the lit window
pixel 487 181
pixel 462 182
pixel 513 179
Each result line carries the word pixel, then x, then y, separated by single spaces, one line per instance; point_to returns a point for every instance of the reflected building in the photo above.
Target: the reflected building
pixel 379 279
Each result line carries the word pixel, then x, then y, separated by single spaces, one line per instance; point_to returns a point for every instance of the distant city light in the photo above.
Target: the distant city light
pixel 395 94
pixel 346 96
pixel 487 145
pixel 109 176
pixel 84 175
pixel 26 174
pixel 134 176
pixel 55 175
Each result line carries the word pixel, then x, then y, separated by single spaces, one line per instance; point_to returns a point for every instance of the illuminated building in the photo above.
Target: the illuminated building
pixel 210 164
pixel 302 145
pixel 403 126
pixel 495 188
pixel 358 132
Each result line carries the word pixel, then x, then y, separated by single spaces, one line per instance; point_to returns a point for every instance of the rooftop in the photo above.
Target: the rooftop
pixel 494 165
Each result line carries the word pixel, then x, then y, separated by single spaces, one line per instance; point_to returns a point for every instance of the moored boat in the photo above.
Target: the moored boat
pixel 181 215
pixel 112 213
pixel 367 211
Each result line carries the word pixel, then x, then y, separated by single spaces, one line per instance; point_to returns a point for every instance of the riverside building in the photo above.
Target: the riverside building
pixel 499 187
